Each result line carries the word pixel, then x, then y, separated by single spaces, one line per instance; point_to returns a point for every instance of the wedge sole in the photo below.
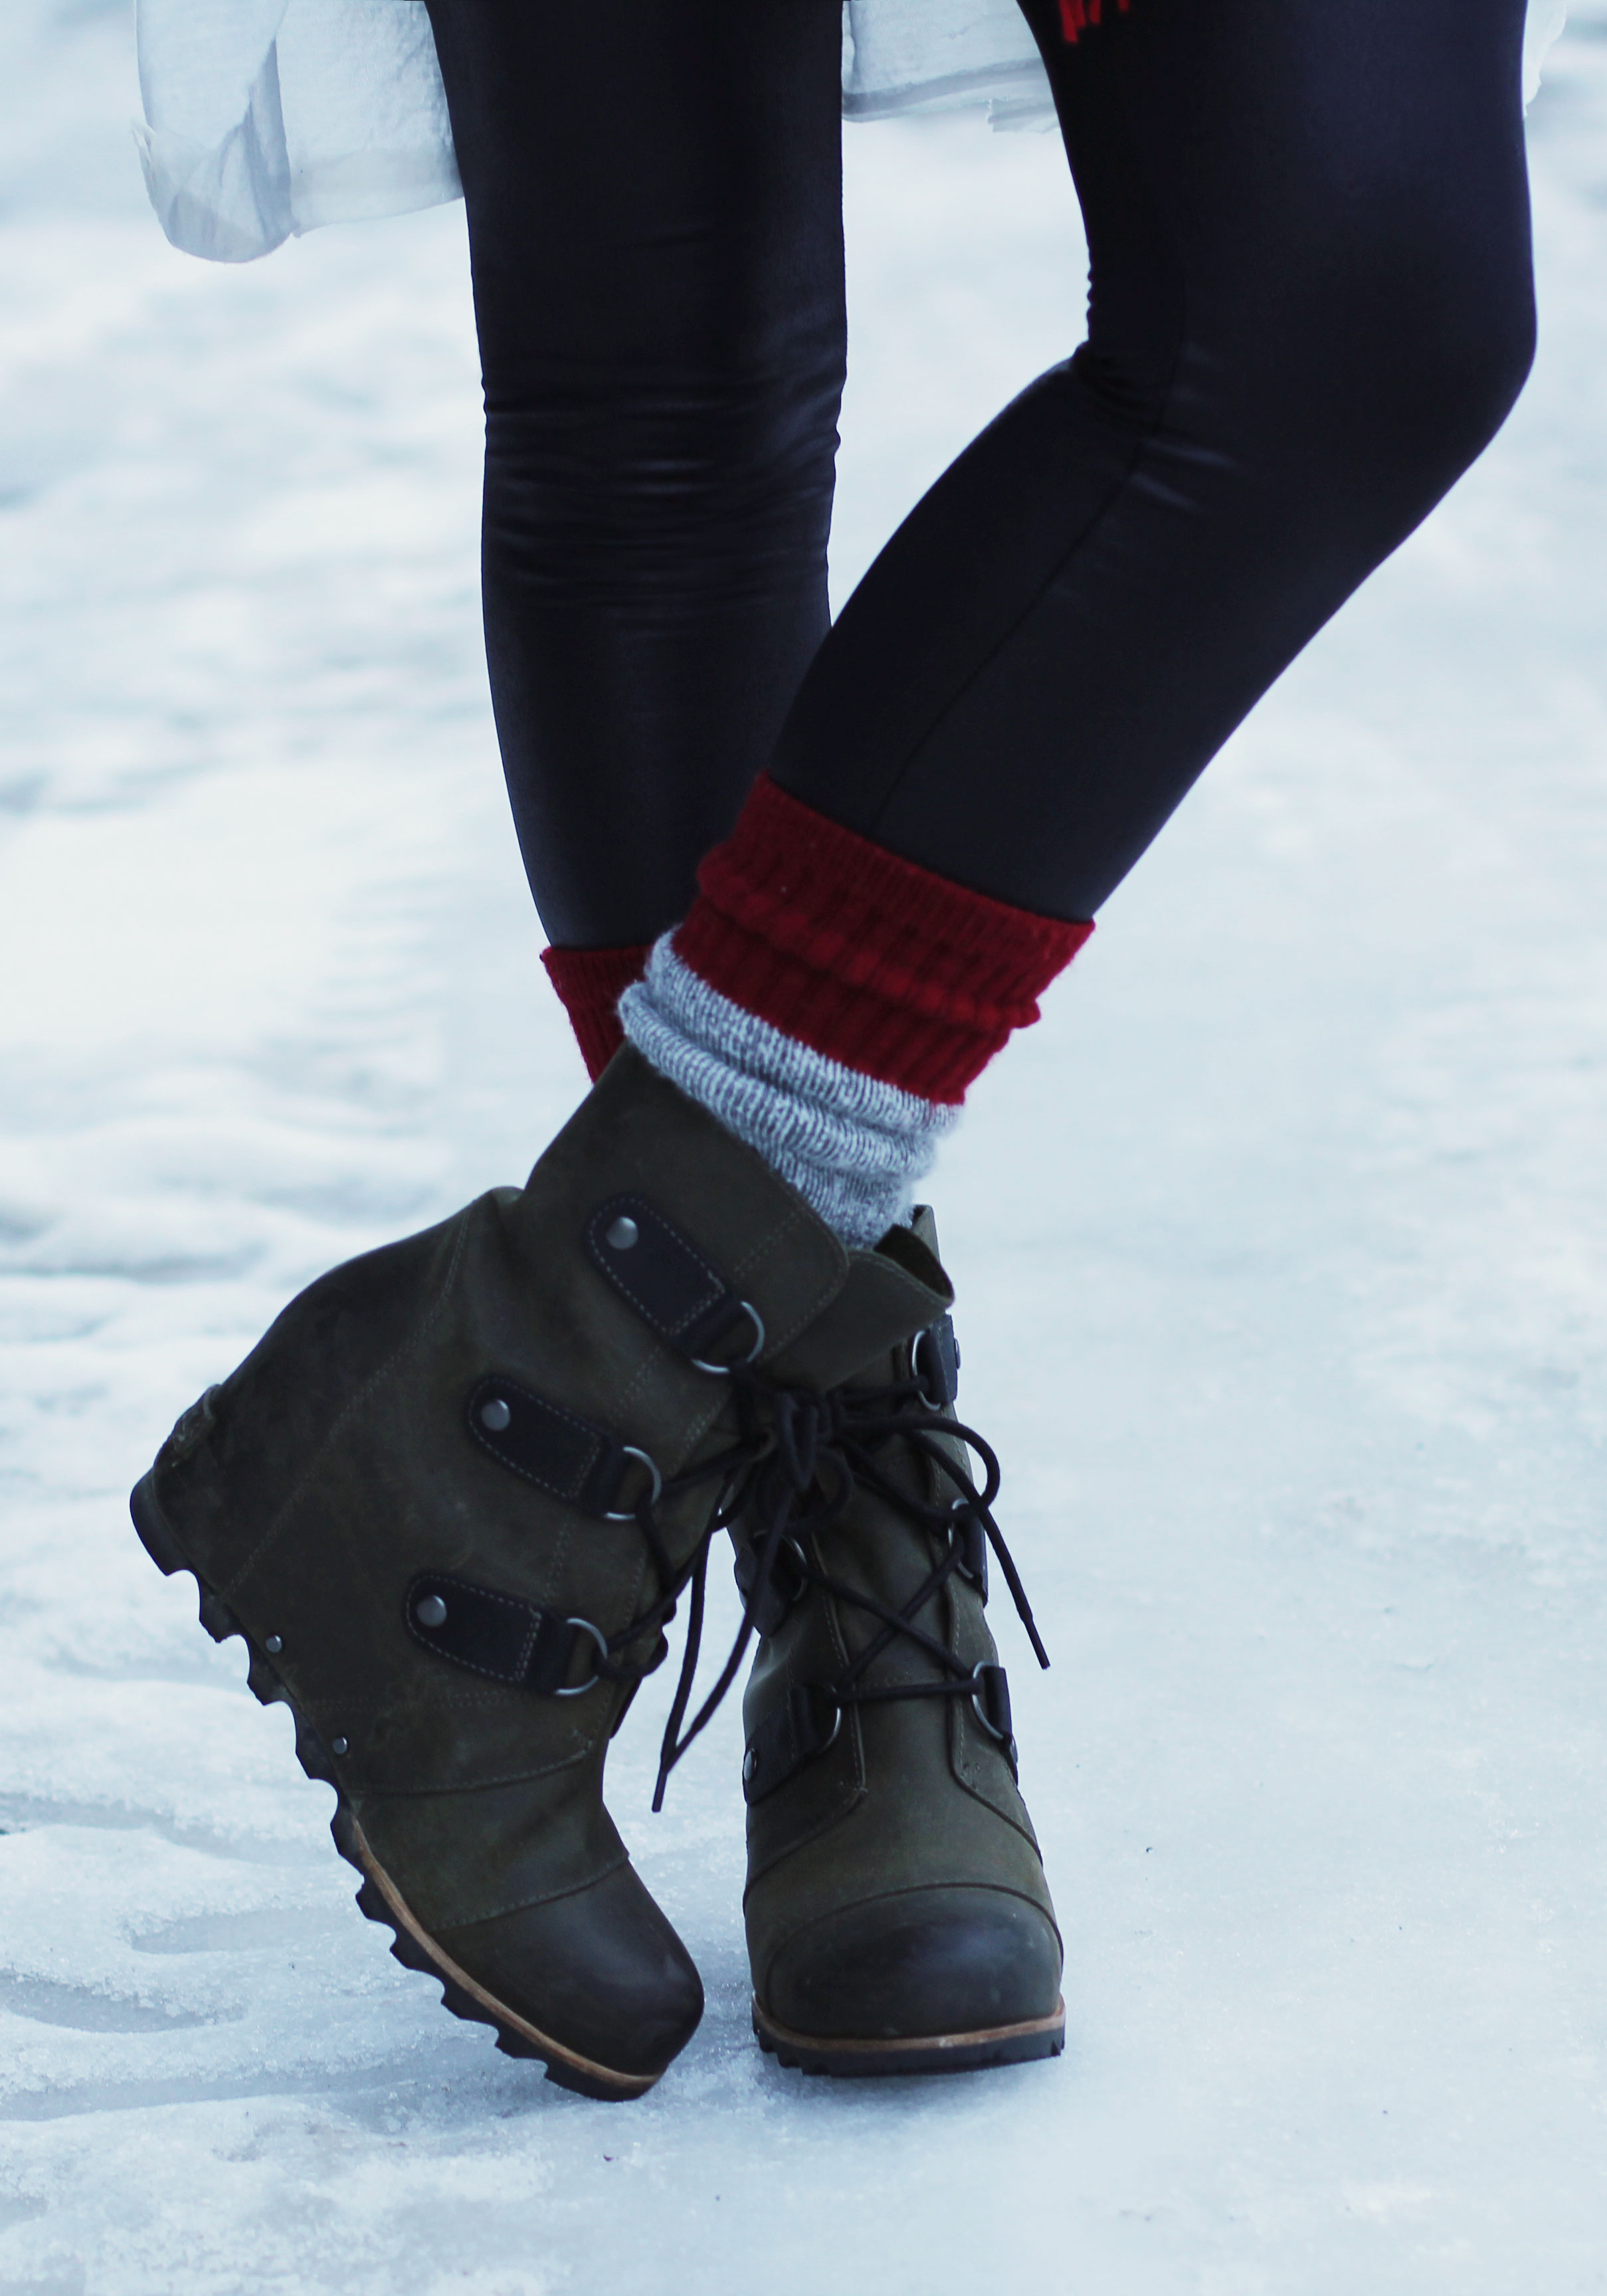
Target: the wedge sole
pixel 849 2059
pixel 379 1898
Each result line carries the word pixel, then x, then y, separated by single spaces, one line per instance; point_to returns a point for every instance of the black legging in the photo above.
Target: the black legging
pixel 1311 307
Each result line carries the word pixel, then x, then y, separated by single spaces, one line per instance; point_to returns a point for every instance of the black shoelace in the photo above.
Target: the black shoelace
pixel 794 1470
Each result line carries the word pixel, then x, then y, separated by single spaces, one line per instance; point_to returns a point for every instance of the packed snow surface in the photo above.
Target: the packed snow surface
pixel 1282 1253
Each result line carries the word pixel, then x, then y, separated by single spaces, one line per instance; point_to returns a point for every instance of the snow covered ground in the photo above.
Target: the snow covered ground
pixel 1282 1248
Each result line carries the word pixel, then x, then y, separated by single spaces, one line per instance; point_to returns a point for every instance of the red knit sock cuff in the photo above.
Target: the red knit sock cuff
pixel 866 957
pixel 590 983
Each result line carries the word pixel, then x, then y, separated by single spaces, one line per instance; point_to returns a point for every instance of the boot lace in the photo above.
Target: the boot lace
pixel 799 1458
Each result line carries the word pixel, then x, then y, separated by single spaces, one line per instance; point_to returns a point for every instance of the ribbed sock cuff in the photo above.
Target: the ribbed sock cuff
pixel 854 1148
pixel 869 959
pixel 590 983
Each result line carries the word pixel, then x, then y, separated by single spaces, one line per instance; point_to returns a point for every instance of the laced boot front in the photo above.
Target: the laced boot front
pixel 897 1916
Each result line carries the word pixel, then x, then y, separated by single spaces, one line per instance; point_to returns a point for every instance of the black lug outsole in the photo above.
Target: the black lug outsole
pixel 409 1945
pixel 846 2059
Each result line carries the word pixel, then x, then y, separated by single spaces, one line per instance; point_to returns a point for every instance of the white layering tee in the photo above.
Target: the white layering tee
pixel 268 116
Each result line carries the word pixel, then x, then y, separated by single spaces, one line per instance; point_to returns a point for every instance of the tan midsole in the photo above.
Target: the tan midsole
pixel 1053 2023
pixel 627 2084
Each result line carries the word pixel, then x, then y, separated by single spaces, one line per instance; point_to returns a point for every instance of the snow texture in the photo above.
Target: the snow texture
pixel 1282 1253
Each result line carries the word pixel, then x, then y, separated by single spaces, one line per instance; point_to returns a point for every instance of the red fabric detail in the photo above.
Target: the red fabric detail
pixel 1076 15
pixel 868 958
pixel 590 983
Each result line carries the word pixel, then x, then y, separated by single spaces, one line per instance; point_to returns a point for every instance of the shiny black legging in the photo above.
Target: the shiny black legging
pixel 1311 307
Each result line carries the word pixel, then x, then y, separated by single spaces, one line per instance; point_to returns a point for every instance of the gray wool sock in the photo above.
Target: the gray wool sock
pixel 853 1147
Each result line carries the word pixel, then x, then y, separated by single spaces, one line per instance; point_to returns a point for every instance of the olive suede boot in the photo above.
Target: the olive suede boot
pixel 449 1502
pixel 897 1916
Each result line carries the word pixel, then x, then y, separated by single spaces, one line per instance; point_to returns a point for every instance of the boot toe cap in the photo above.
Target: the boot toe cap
pixel 599 1972
pixel 918 1965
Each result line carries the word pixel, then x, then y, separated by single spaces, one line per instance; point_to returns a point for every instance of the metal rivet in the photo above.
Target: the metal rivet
pixel 495 1415
pixel 337 1745
pixel 431 1611
pixel 622 1234
pixel 749 1764
pixel 274 1646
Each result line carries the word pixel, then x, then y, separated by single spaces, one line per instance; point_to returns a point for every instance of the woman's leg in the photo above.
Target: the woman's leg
pixel 655 224
pixel 1311 306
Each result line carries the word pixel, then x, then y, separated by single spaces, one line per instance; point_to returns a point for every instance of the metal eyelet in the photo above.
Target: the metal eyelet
pixel 724 1371
pixel 628 1514
pixel 578 1689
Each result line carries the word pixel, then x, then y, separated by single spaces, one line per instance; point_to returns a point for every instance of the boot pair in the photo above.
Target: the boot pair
pixel 451 1502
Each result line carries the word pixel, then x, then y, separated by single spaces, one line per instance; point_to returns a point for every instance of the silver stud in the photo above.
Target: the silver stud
pixel 274 1646
pixel 622 1234
pixel 749 1764
pixel 495 1415
pixel 337 1745
pixel 431 1611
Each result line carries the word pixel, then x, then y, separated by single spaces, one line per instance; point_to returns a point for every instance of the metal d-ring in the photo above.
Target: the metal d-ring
pixel 724 1371
pixel 628 1514
pixel 934 1403
pixel 836 1722
pixel 962 1511
pixel 578 1689
pixel 979 1710
pixel 962 1508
